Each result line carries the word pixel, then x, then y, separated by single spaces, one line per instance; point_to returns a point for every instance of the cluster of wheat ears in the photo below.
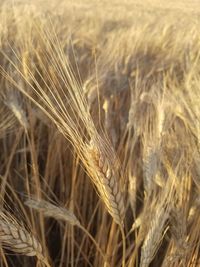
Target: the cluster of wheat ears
pixel 99 135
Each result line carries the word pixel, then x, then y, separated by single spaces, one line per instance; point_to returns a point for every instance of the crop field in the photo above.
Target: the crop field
pixel 99 133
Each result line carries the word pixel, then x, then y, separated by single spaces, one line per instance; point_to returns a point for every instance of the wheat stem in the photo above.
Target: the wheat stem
pixel 123 247
pixel 94 241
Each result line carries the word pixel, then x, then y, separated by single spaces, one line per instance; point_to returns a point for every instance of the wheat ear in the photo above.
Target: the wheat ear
pixel 104 176
pixel 154 236
pixel 50 210
pixel 15 237
pixel 102 168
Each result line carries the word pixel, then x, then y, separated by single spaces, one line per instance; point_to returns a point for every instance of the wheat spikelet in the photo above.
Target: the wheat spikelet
pixel 50 210
pixel 150 165
pixel 107 107
pixel 13 102
pixel 153 128
pixel 7 119
pixel 16 238
pixel 132 189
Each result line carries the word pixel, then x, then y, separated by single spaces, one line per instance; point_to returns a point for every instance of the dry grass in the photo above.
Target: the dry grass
pixel 99 133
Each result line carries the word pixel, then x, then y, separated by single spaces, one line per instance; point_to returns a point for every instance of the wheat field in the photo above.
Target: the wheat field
pixel 99 133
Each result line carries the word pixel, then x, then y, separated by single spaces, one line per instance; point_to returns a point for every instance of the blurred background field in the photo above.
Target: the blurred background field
pixel 119 79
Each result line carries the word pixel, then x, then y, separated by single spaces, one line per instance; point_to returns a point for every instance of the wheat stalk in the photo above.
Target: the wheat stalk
pixel 60 213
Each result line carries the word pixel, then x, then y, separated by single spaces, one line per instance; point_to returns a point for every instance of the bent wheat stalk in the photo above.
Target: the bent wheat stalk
pixel 60 213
